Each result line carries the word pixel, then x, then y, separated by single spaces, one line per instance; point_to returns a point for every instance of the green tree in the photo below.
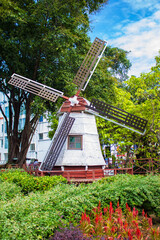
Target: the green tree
pixel 140 96
pixel 146 98
pixel 43 40
pixel 102 84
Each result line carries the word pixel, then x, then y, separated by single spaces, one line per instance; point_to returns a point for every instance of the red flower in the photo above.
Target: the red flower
pixel 138 233
pixel 143 213
pixel 150 222
pixel 105 210
pixel 125 225
pixel 128 208
pixel 99 206
pixel 111 208
pixel 135 212
pixel 135 223
pixel 105 229
pixel 84 218
pixel 113 229
pixel 129 234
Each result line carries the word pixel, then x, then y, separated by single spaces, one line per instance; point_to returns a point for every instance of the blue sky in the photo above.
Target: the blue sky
pixel 133 25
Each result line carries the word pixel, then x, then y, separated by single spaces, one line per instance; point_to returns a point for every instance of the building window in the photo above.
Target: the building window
pixel 23 110
pixel 21 123
pixel 7 112
pixel 6 156
pixel 5 127
pixel 2 143
pixel 75 142
pixel 40 136
pixel 6 143
pixel 32 147
pixel 41 119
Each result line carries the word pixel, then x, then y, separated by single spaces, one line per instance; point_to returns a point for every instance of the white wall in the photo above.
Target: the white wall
pixel 41 145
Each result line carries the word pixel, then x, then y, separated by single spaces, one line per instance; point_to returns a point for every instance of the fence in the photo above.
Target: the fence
pixel 145 165
pixel 138 166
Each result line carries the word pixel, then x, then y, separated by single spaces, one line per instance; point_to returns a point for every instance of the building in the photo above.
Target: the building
pixel 40 141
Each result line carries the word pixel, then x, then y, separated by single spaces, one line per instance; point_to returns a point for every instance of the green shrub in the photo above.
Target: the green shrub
pixel 29 183
pixel 40 214
pixel 9 191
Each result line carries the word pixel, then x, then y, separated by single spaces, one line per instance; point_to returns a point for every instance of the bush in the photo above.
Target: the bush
pixel 138 191
pixel 69 233
pixel 9 191
pixel 38 215
pixel 29 183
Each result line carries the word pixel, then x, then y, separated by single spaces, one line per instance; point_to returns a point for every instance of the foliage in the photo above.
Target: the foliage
pixel 29 183
pixel 146 98
pixel 38 215
pixel 53 119
pixel 136 190
pixel 114 224
pixel 9 191
pixel 69 233
pixel 139 96
pixel 118 63
pixel 44 41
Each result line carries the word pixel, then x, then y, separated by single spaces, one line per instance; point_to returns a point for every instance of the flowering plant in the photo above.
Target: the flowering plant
pixel 114 224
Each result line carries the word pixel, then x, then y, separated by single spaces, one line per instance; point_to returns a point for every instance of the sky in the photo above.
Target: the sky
pixel 132 25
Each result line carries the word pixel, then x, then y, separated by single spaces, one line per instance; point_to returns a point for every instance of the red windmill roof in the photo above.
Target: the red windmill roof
pixel 77 108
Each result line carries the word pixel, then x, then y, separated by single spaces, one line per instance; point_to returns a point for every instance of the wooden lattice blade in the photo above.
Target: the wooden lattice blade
pixel 35 87
pixel 88 63
pixel 119 115
pixel 57 143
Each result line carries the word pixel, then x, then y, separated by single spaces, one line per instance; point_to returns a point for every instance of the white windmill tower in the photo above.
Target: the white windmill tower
pixel 75 144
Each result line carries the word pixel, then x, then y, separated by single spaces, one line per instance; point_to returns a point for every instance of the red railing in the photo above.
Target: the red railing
pixel 82 175
pixel 138 166
pixel 146 165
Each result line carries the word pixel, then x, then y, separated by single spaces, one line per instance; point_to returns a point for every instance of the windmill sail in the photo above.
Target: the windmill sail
pixel 35 87
pixel 57 144
pixel 89 63
pixel 118 116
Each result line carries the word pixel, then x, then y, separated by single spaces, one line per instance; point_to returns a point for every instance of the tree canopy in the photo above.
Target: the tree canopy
pixel 140 96
pixel 43 40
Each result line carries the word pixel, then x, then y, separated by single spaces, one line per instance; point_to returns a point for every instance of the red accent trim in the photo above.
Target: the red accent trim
pixel 78 92
pixel 65 97
pixel 66 107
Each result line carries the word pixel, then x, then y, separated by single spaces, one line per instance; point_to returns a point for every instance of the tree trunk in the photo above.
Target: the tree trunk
pixel 19 142
pixel 27 136
pixel 27 133
pixel 12 131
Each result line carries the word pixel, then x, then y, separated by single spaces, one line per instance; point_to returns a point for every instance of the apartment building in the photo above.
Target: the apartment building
pixel 40 141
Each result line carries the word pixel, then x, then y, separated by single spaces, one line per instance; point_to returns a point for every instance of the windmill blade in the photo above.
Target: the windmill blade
pixel 118 116
pixel 57 143
pixel 35 87
pixel 89 64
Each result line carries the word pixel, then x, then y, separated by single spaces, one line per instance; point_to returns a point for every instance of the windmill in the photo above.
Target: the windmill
pixel 77 128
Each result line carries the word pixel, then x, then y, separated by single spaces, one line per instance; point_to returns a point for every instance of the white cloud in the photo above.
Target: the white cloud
pixel 142 38
pixel 142 4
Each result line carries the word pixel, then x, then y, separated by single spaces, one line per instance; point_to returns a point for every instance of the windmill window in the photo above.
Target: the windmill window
pixel 75 142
